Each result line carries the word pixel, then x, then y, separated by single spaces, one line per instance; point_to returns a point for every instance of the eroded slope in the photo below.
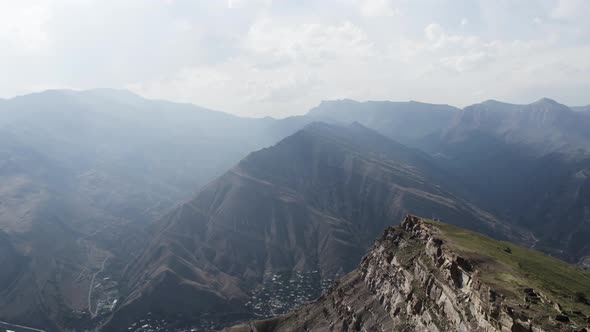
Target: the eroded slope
pixel 430 276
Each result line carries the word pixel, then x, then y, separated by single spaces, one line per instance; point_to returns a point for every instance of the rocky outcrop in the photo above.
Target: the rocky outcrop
pixel 427 288
pixel 412 281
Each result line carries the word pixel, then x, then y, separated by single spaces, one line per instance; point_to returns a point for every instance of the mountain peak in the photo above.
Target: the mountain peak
pixel 418 270
pixel 113 92
pixel 497 103
pixel 546 101
pixel 493 103
pixel 333 102
pixel 354 135
pixel 547 105
pixel 325 127
pixel 69 95
pixel 357 125
pixel 313 201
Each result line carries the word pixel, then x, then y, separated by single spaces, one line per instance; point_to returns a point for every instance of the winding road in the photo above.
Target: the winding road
pixel 91 287
pixel 17 328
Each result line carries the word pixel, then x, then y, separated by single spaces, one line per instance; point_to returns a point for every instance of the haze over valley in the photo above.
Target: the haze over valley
pixel 101 232
pixel 255 166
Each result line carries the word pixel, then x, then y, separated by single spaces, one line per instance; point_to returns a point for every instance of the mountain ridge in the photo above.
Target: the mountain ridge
pixel 72 169
pixel 94 169
pixel 428 276
pixel 314 201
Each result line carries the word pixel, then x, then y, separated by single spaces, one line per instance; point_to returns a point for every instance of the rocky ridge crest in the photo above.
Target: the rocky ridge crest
pixel 412 280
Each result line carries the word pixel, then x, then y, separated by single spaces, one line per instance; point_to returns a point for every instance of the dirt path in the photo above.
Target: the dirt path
pixel 18 328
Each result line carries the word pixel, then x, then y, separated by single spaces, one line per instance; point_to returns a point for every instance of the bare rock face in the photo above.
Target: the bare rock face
pixel 412 281
pixel 427 288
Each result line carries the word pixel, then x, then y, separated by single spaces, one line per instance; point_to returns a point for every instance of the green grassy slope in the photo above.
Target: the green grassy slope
pixel 510 269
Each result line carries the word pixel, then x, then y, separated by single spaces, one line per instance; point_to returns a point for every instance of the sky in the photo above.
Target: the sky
pixel 282 57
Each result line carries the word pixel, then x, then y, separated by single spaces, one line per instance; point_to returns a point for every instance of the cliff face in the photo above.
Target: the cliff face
pixel 418 277
pixel 425 287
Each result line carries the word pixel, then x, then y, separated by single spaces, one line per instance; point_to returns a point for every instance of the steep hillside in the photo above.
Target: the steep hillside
pixel 544 126
pixel 312 202
pixel 527 163
pixel 514 160
pixel 82 173
pixel 431 276
pixel 93 168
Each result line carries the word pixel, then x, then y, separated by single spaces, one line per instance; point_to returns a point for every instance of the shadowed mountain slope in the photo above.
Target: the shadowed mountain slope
pixel 544 126
pixel 83 172
pixel 581 108
pixel 314 201
pixel 405 122
pixel 527 163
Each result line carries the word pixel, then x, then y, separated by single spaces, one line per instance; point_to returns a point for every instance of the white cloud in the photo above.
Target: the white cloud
pixel 263 57
pixel 236 4
pixel 286 68
pixel 23 27
pixel 280 67
pixel 569 9
pixel 271 43
pixel 253 91
pixel 461 63
pixel 438 38
pixel 377 8
pixel 462 52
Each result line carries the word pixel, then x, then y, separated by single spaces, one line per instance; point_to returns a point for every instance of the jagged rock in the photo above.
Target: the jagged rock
pixel 412 280
pixel 531 296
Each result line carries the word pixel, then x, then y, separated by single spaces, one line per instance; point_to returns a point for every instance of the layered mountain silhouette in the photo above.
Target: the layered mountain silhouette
pixel 514 160
pixel 314 201
pixel 544 126
pixel 405 122
pixel 83 173
pixel 528 163
pixel 91 232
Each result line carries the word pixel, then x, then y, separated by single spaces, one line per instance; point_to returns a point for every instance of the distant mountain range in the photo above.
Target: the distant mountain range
pixel 83 173
pixel 545 126
pixel 514 160
pixel 94 232
pixel 406 122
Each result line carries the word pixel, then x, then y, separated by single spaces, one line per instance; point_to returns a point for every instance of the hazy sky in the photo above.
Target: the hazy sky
pixel 279 57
